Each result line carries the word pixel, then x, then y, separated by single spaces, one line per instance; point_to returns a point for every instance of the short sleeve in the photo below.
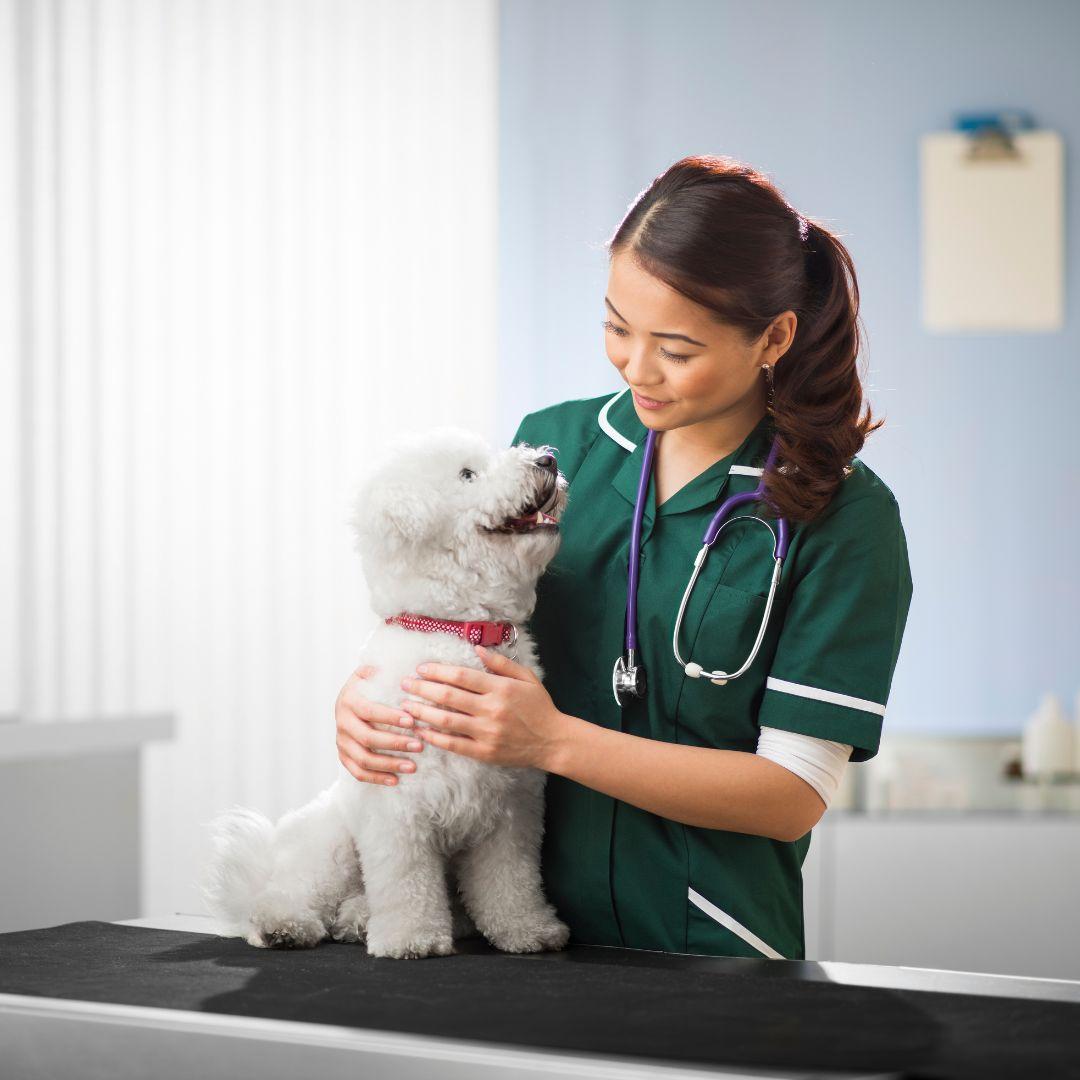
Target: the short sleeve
pixel 838 646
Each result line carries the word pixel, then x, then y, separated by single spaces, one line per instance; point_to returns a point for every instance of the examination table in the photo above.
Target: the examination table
pixel 166 998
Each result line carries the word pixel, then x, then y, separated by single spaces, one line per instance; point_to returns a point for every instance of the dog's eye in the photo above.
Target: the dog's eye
pixel 466 474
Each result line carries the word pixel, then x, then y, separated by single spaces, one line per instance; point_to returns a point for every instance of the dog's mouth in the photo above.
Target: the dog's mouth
pixel 537 515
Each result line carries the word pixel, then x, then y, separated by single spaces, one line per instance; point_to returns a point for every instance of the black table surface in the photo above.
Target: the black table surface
pixel 702 1010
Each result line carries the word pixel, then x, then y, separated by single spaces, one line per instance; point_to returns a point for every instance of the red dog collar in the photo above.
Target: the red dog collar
pixel 476 632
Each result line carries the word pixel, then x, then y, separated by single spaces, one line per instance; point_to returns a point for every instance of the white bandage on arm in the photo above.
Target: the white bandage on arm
pixel 820 762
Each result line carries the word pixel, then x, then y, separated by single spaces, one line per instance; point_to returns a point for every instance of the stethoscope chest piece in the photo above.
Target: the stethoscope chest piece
pixel 627 680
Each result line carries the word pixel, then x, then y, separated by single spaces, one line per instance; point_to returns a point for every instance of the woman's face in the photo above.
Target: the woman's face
pixel 669 349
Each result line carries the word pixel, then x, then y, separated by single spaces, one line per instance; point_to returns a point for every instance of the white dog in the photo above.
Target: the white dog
pixel 448 529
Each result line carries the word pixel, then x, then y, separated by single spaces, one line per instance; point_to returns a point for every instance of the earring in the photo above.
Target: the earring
pixel 767 368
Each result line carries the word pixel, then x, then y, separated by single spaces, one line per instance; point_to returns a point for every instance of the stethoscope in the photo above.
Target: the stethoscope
pixel 628 676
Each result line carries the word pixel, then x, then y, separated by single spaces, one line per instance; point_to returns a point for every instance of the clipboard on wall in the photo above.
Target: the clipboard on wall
pixel 992 230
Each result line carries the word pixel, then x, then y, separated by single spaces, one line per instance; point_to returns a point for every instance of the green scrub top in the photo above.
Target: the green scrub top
pixel 623 876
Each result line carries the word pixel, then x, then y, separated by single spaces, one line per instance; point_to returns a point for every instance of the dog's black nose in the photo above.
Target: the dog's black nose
pixel 546 461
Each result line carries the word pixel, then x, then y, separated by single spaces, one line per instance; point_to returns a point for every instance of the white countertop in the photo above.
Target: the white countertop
pixel 28 740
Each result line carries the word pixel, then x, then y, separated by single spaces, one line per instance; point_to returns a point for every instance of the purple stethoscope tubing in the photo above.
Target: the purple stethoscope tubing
pixel 635 541
pixel 781 538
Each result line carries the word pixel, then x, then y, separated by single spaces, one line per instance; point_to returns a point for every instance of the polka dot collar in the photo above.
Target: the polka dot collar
pixel 477 632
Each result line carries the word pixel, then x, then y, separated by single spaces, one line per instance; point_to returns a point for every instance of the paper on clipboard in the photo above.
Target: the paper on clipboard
pixel 993 248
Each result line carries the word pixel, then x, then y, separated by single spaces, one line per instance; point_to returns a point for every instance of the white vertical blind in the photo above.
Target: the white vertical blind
pixel 248 241
pixel 10 516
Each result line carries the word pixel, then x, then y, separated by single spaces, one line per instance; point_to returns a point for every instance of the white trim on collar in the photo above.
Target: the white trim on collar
pixel 623 441
pixel 605 424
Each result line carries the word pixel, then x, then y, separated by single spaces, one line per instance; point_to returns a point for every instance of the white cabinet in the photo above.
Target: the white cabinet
pixel 982 891
pixel 70 804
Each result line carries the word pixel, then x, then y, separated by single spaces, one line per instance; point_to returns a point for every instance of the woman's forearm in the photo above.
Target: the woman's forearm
pixel 696 785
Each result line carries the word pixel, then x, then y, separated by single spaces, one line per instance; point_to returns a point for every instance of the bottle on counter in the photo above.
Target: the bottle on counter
pixel 1047 746
pixel 1076 736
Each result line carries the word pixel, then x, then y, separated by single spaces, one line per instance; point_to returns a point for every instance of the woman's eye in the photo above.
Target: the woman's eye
pixel 466 474
pixel 679 358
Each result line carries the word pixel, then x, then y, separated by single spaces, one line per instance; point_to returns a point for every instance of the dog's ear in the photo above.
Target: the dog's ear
pixel 395 513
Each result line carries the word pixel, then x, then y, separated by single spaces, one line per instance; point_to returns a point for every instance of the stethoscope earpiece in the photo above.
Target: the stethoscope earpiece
pixel 695 671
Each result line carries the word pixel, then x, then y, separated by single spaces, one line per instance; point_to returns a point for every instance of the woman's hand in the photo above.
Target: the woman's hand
pixel 503 715
pixel 357 740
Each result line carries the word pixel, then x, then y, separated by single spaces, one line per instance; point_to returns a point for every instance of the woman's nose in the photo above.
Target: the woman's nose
pixel 637 371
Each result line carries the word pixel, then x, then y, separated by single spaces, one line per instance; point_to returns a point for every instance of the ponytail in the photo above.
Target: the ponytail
pixel 817 405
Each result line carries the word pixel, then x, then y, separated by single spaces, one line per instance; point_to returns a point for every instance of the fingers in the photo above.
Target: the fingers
pixel 464 701
pixel 471 679
pixel 366 671
pixel 365 765
pixel 360 773
pixel 373 712
pixel 500 664
pixel 458 744
pixel 458 723
pixel 496 661
pixel 357 739
pixel 372 738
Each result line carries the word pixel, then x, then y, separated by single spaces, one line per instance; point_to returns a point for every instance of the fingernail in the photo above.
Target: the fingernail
pixel 406 766
pixel 415 744
pixel 406 721
pixel 390 780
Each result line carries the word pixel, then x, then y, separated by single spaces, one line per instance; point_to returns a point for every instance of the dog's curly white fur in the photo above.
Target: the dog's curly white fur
pixel 447 527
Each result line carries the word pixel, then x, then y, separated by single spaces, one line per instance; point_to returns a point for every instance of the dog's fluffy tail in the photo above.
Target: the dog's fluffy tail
pixel 239 868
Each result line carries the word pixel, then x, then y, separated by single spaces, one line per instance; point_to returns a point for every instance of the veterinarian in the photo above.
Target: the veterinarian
pixel 680 820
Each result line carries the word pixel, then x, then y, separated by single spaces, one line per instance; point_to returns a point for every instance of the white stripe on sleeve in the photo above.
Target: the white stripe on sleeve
pixel 817 694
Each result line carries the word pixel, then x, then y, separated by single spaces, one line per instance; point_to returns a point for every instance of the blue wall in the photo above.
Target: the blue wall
pixel 829 99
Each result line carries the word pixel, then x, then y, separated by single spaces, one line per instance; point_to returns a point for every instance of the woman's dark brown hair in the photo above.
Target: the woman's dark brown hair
pixel 720 233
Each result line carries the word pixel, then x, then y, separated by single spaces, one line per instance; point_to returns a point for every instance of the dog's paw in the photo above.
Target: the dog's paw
pixel 407 943
pixel 302 931
pixel 352 919
pixel 539 932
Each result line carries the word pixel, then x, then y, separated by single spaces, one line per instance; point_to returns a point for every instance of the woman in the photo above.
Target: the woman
pixel 680 822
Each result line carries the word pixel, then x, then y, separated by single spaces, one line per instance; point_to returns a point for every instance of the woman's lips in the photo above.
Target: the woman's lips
pixel 648 403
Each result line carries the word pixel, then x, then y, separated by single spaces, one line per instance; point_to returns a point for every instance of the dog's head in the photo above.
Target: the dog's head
pixel 448 526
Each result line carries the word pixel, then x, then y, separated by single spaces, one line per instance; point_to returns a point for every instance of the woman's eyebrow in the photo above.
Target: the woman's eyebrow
pixel 660 333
